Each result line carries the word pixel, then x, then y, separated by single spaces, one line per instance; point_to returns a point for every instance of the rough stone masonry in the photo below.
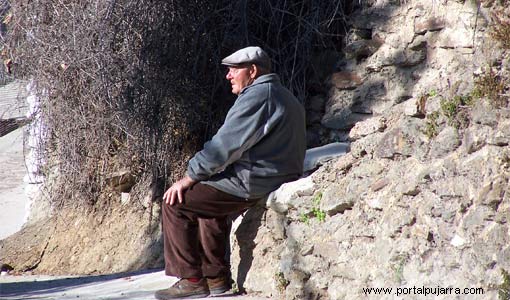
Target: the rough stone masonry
pixel 405 208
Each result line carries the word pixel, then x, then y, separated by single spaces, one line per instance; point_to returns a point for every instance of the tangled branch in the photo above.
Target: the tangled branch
pixel 136 85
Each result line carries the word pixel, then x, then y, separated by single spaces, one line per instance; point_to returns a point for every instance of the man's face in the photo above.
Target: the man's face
pixel 240 77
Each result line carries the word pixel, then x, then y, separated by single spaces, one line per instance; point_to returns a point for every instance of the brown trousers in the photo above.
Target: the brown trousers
pixel 196 232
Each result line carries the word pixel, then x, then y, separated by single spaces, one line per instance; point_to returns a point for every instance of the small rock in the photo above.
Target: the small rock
pixel 121 181
pixel 421 231
pixel 458 241
pixel 411 189
pixel 124 198
pixel 345 162
pixel 320 155
pixel 307 250
pixel 375 203
pixel 379 184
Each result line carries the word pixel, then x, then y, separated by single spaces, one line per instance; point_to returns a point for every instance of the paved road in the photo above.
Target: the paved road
pixel 134 286
pixel 12 195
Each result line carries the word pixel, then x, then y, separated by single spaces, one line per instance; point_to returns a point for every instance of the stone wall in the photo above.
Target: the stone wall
pixel 419 201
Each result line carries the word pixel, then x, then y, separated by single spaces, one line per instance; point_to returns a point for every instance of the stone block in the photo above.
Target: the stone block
pixel 362 108
pixel 281 199
pixel 430 24
pixel 367 127
pixel 395 142
pixel 456 38
pixel 446 141
pixel 121 181
pixel 458 241
pixel 366 145
pixel 410 57
pixel 500 138
pixel 336 200
pixel 362 49
pixel 475 138
pixel 342 120
pixel 376 203
pixel 418 43
pixel 346 80
pixel 412 108
pixel 502 135
pixel 492 193
pixel 339 102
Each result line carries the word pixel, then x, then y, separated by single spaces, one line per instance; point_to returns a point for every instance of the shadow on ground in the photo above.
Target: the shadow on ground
pixel 33 288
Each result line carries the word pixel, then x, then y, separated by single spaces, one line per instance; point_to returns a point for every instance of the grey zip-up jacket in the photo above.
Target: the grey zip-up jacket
pixel 260 146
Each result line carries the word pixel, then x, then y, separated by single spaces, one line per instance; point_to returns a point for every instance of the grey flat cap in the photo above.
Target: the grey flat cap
pixel 252 55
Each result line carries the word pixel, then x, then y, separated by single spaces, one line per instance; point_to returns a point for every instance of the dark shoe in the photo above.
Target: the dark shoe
pixel 218 285
pixel 184 289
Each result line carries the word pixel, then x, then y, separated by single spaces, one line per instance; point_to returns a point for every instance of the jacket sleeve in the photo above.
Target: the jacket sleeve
pixel 246 123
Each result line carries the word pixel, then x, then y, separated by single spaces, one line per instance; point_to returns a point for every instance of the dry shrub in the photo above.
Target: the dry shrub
pixel 4 20
pixel 136 85
pixel 492 85
pixel 500 29
pixel 116 88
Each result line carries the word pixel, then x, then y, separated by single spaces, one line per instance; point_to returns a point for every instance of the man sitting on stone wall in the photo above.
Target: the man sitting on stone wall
pixel 260 146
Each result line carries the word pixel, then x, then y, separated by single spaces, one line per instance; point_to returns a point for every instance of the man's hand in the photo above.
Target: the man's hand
pixel 176 191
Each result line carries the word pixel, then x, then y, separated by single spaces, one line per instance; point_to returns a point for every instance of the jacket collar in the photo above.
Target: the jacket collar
pixel 271 77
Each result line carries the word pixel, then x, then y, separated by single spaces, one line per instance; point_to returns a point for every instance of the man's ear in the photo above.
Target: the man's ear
pixel 254 71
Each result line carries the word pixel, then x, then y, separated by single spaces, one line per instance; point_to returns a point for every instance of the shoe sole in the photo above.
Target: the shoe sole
pixel 193 296
pixel 219 290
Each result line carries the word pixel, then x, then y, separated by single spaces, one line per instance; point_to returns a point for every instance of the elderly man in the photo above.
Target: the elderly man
pixel 260 146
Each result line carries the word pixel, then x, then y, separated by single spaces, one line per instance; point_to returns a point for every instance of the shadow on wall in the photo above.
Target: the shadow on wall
pixel 245 235
pixel 152 256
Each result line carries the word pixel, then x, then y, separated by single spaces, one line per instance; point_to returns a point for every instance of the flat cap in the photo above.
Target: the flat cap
pixel 252 55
